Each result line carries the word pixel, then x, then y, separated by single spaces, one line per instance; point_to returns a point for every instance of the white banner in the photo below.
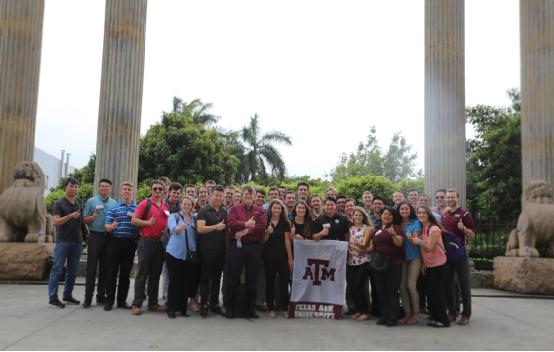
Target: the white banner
pixel 319 279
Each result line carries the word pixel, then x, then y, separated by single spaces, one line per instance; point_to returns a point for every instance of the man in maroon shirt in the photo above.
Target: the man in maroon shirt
pixel 150 251
pixel 458 221
pixel 247 224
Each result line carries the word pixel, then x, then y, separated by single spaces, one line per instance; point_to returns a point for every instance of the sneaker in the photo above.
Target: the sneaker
pixel 55 303
pixel 136 311
pixel 157 308
pixel 71 300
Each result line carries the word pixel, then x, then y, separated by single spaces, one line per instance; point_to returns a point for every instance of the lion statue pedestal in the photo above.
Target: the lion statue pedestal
pixel 522 270
pixel 24 261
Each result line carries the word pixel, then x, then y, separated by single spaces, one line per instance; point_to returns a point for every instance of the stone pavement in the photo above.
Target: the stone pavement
pixel 27 323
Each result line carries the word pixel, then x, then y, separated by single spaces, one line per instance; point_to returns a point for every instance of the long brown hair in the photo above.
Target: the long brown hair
pixel 308 222
pixel 282 216
pixel 431 217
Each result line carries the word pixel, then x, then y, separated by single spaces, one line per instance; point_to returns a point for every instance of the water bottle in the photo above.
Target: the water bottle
pixel 40 237
pixel 239 243
pixel 526 251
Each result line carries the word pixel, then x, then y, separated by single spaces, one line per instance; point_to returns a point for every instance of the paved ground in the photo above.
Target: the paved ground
pixel 27 323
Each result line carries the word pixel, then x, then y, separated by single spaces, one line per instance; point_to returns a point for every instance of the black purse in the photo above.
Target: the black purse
pixel 378 262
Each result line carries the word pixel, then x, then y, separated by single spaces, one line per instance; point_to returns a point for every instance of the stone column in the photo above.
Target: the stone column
pixel 20 45
pixel 445 160
pixel 537 90
pixel 119 115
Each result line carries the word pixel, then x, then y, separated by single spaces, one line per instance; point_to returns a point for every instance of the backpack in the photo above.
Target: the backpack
pixel 452 247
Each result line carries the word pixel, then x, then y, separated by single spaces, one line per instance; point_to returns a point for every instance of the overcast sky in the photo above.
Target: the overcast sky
pixel 321 71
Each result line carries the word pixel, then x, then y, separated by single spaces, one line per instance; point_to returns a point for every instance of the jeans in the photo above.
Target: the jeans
pixel 178 281
pixel 461 269
pixel 70 251
pixel 150 260
pixel 356 279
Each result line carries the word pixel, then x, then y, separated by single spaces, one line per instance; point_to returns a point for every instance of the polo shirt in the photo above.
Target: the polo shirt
pixel 160 213
pixel 451 219
pixel 338 226
pixel 71 230
pixel 122 213
pixel 412 250
pixel 214 240
pixel 100 206
pixel 384 244
pixel 175 209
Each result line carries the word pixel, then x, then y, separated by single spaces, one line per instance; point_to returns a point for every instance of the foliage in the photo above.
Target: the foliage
pixel 260 151
pixel 410 183
pixel 355 186
pixel 142 192
pixel 187 151
pixel 83 175
pixel 84 193
pixel 396 164
pixel 494 161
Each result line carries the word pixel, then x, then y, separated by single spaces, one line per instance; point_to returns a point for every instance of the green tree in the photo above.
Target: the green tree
pixel 396 164
pixel 260 151
pixel 355 186
pixel 198 111
pixel 494 161
pixel 184 149
pixel 83 175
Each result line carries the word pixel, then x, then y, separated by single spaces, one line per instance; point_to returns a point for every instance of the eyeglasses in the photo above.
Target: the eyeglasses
pixel 439 197
pixel 157 189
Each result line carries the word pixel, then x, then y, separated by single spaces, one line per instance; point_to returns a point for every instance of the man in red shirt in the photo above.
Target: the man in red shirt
pixel 247 225
pixel 151 217
pixel 458 221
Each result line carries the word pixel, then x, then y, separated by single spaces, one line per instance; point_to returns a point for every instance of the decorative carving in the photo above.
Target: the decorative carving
pixel 534 234
pixel 22 209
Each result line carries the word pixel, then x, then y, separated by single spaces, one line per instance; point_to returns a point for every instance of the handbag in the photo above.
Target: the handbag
pixel 378 262
pixel 192 257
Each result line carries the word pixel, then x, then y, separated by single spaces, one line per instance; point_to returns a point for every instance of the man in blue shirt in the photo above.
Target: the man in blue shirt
pixel 121 248
pixel 94 217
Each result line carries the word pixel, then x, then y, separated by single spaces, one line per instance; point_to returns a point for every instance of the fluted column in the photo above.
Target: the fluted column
pixel 445 160
pixel 537 90
pixel 20 45
pixel 119 115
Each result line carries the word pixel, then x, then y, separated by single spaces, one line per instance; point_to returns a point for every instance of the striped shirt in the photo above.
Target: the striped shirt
pixel 122 214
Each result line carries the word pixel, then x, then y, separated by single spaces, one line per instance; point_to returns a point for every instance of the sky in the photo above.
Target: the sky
pixel 321 71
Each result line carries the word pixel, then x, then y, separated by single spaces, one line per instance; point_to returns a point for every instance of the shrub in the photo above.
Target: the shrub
pixel 355 187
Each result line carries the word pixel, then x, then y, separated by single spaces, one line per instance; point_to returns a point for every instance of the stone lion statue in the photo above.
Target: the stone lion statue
pixel 535 225
pixel 22 207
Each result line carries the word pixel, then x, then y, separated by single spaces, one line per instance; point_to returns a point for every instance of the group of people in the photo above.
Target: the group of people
pixel 193 238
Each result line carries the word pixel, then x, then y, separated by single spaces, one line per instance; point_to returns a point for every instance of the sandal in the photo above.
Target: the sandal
pixel 355 316
pixel 362 317
pixel 413 319
pixel 405 319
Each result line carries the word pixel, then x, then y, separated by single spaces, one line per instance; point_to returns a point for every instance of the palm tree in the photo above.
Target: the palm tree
pixel 259 150
pixel 195 109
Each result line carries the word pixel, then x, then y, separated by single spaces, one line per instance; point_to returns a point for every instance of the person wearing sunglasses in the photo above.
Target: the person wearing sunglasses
pixel 151 217
pixel 440 202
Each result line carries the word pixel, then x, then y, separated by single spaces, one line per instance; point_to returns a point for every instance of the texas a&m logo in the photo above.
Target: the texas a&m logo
pixel 318 270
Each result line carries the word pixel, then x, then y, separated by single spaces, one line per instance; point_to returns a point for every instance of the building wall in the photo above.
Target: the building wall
pixel 50 165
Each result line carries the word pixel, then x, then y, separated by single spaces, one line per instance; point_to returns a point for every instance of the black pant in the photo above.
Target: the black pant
pixel 247 258
pixel 150 261
pixel 356 276
pixel 375 306
pixel 388 284
pixel 178 272
pixel 276 267
pixel 459 269
pixel 211 269
pixel 96 257
pixel 436 279
pixel 121 254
